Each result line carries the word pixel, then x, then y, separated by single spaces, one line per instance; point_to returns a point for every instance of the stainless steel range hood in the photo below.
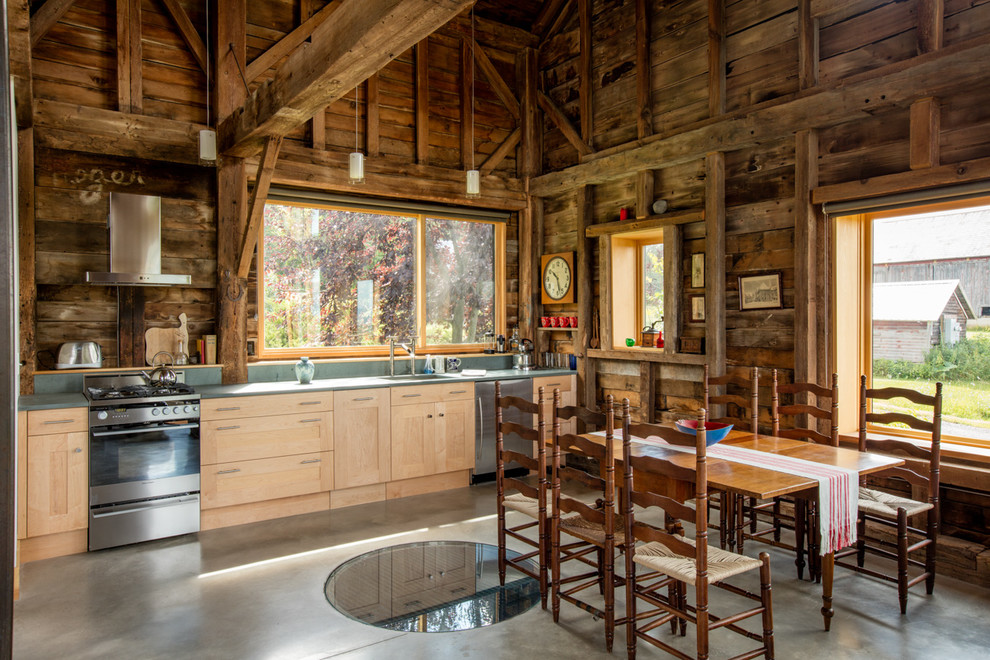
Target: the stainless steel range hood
pixel 135 225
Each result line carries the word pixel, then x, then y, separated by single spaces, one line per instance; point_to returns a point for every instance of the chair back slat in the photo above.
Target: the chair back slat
pixel 649 534
pixel 525 432
pixel 902 392
pixel 826 407
pixel 589 417
pixel 749 404
pixel 905 474
pixel 568 473
pixel 511 483
pixel 576 444
pixel 589 513
pixel 901 418
pixel 892 446
pixel 669 505
pixel 524 460
pixel 522 404
pixel 670 436
pixel 537 463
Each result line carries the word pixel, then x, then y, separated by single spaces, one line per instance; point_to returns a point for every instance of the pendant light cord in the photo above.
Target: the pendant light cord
pixel 208 91
pixel 357 101
pixel 473 55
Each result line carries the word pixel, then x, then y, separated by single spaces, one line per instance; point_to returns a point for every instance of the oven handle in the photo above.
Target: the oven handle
pixel 121 509
pixel 100 434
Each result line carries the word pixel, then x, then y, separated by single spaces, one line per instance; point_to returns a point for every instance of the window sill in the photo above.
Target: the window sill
pixel 641 354
pixel 962 465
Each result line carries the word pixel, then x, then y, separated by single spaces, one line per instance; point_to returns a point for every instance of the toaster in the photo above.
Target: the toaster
pixel 79 355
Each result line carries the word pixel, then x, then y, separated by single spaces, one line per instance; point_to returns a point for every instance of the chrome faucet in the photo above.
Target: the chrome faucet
pixel 409 347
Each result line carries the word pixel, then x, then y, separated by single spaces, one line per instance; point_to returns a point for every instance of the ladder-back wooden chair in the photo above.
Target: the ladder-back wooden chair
pixel 660 565
pixel 518 495
pixel 820 404
pixel 590 465
pixel 883 510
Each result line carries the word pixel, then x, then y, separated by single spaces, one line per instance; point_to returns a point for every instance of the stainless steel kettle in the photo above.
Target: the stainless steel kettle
pixel 162 375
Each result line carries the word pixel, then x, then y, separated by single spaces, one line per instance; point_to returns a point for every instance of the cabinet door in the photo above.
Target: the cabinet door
pixel 568 397
pixel 57 483
pixel 227 484
pixel 22 470
pixel 361 437
pixel 455 435
pixel 414 446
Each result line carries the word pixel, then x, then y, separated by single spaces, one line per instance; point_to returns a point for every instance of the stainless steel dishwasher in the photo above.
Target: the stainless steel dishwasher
pixel 484 425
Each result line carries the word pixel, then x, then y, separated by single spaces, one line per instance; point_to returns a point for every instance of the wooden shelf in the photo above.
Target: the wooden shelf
pixel 647 355
pixel 559 329
pixel 647 223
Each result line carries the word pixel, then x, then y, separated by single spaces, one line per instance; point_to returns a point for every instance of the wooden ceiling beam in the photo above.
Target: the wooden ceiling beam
pixel 256 207
pixel 46 17
pixel 498 83
pixel 188 31
pixel 497 156
pixel 364 36
pixel 548 17
pixel 866 94
pixel 563 123
pixel 289 42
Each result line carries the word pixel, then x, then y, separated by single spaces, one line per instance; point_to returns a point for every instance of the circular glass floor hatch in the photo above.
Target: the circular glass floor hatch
pixel 433 586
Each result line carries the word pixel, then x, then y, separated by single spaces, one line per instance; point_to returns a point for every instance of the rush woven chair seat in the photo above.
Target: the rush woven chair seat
pixel 742 412
pixel 820 405
pixel 662 564
pixel 591 557
pixel 523 497
pixel 883 510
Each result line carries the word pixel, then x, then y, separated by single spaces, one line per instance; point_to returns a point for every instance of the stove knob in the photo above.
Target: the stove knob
pixel 102 414
pixel 195 408
pixel 154 411
pixel 186 409
pixel 165 411
pixel 176 410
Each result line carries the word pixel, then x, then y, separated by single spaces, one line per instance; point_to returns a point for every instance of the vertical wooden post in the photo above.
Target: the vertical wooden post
pixel 807 254
pixel 584 73
pixel 673 285
pixel 129 55
pixel 644 193
pixel 467 116
pixel 584 264
pixel 931 15
pixel 715 267
pixel 644 101
pixel 318 124
pixel 526 65
pixel 372 131
pixel 422 102
pixel 807 46
pixel 130 326
pixel 647 393
pixel 231 197
pixel 925 126
pixel 716 57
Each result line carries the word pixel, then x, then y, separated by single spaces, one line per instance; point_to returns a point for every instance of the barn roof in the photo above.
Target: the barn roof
pixel 932 236
pixel 916 301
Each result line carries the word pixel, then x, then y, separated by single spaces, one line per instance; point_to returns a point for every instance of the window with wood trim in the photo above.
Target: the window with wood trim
pixel 340 280
pixel 912 307
pixel 637 285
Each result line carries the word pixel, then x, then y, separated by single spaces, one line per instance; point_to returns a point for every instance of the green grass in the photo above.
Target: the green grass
pixel 962 403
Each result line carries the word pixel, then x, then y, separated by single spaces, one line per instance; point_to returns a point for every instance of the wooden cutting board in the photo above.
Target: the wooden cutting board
pixel 165 339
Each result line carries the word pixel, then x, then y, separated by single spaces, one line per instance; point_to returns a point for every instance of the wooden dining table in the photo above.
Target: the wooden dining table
pixel 759 482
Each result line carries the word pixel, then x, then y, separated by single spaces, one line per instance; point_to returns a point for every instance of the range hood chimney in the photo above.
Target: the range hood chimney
pixel 135 225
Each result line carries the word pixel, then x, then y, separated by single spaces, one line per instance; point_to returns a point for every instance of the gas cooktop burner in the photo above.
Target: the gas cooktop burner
pixel 137 391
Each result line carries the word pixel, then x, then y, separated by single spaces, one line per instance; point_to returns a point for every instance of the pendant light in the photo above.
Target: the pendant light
pixel 473 180
pixel 355 163
pixel 208 136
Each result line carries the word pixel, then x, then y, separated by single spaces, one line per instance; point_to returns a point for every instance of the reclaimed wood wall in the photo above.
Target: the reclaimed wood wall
pixel 114 93
pixel 713 71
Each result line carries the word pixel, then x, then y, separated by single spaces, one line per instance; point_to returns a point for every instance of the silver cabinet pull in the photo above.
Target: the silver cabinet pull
pixel 229 471
pixel 410 396
pixel 552 385
pixel 310 460
pixel 364 398
pixel 458 392
pixel 228 428
pixel 59 421
pixel 307 421
pixel 310 403
pixel 230 408
pixel 77 450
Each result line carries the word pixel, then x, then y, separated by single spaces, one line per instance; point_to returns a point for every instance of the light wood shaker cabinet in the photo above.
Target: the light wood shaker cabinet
pixel 57 471
pixel 362 437
pixel 568 397
pixel 432 429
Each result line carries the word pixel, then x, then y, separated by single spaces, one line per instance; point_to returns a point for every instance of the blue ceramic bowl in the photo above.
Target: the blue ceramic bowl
pixel 714 431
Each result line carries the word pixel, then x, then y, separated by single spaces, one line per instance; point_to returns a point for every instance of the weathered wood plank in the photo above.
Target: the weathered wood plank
pixel 423 102
pixel 807 45
pixel 188 31
pixel 503 150
pixel 255 210
pixel 931 17
pixel 563 123
pixel 289 42
pixel 45 18
pixel 584 72
pixel 129 89
pixel 716 57
pixel 644 102
pixel 925 133
pixel 806 256
pixel 584 264
pixel 467 108
pixel 363 37
pixel 654 222
pixel 373 118
pixel 715 264
pixel 500 87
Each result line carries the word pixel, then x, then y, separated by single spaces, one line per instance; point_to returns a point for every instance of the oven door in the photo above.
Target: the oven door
pixel 130 464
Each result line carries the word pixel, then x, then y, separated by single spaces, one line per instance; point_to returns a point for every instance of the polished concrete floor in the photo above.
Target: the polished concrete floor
pixel 256 591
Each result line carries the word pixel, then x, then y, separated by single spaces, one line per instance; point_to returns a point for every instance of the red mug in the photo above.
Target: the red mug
pixel 554 321
pixel 573 321
pixel 545 321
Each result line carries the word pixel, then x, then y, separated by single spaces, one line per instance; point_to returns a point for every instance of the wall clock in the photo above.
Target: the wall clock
pixel 558 278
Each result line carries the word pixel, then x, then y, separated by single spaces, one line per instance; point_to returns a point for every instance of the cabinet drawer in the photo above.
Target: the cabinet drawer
pixel 237 407
pixel 223 441
pixel 241 482
pixel 59 420
pixel 432 393
pixel 550 383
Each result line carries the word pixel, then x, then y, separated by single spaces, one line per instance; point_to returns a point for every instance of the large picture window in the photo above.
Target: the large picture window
pixel 342 280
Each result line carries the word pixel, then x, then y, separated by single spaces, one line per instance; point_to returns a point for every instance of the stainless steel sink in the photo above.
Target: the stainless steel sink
pixel 405 378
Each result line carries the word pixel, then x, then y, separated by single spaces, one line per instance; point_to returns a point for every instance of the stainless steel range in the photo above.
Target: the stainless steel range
pixel 143 460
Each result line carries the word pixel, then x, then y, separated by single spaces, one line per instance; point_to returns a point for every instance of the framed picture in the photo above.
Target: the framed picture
pixel 697 309
pixel 698 270
pixel 760 291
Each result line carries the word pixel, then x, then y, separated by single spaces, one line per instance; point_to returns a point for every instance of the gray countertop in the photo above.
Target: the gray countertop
pixel 77 400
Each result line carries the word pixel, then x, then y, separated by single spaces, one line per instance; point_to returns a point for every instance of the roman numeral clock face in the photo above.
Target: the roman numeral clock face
pixel 557 278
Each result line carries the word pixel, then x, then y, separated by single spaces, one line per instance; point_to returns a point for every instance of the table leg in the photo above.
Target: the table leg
pixel 828 570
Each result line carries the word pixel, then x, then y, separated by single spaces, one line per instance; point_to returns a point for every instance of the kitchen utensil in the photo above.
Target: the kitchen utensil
pixel 594 342
pixel 162 374
pixel 79 355
pixel 453 364
pixel 439 365
pixel 170 340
